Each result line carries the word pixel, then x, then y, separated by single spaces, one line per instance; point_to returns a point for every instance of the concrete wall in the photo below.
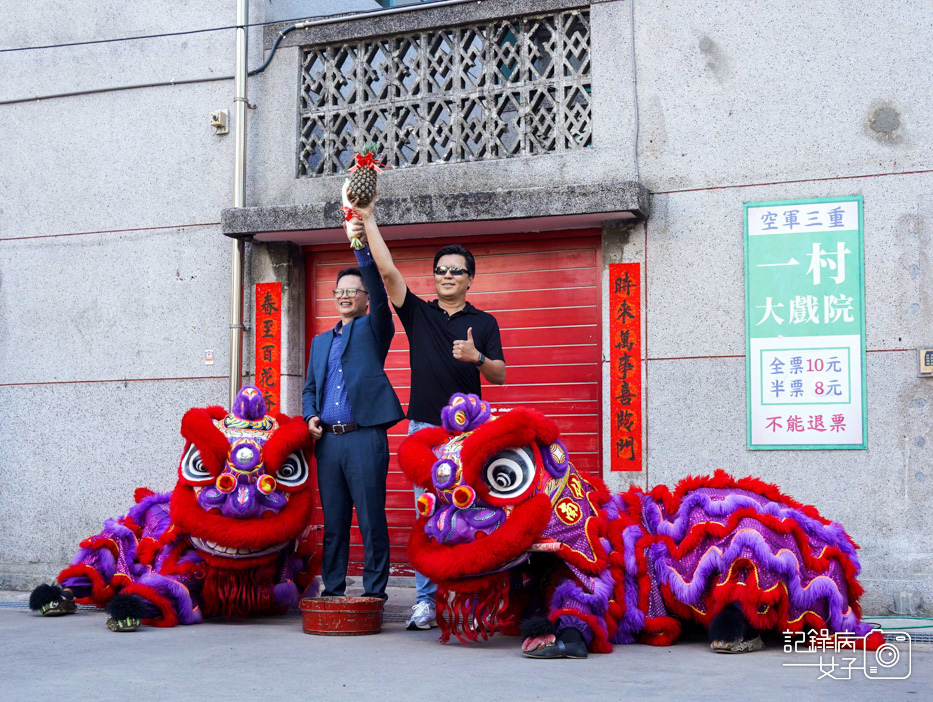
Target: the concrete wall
pixel 114 276
pixel 737 101
pixel 273 168
pixel 761 101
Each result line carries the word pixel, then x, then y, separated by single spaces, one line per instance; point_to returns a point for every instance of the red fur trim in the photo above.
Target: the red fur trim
pixel 475 614
pixel 474 584
pixel 141 493
pixel 216 412
pixel 146 550
pixel 168 617
pixel 660 631
pixel 235 594
pixel 291 436
pixel 763 609
pixel 722 480
pixel 233 564
pixel 642 577
pixel 698 532
pixel 197 426
pixel 600 642
pixel 101 592
pixel 189 518
pixel 873 641
pixel 131 524
pixel 171 566
pixel 416 454
pixel 520 427
pixel 444 563
pixel 102 542
pixel 818 564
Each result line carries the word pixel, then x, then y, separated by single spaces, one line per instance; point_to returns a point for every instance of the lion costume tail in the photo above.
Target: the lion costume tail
pixel 717 541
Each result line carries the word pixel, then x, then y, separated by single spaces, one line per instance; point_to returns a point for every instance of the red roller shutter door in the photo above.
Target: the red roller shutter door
pixel 544 290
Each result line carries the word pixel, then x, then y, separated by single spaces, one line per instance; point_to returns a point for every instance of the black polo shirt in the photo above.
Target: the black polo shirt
pixel 435 373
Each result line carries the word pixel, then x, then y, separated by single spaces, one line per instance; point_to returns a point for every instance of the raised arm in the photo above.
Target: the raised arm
pixel 380 315
pixel 394 282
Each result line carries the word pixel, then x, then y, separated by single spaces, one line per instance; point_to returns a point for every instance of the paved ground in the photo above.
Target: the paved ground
pixel 76 658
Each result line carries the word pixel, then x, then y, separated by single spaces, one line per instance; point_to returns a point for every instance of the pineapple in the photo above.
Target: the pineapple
pixel 363 181
pixel 362 185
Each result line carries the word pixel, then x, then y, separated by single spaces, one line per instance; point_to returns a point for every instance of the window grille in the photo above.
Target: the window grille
pixel 515 87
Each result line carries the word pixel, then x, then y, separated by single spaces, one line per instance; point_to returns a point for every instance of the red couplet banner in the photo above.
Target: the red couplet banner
pixel 269 343
pixel 625 356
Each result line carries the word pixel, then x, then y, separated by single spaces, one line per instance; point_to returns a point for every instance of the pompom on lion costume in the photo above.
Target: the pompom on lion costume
pixel 232 539
pixel 520 542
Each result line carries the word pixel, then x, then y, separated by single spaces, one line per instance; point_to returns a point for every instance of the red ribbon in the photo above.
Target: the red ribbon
pixel 367 160
pixel 349 213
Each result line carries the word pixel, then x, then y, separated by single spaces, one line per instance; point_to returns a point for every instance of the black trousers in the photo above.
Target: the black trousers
pixel 351 471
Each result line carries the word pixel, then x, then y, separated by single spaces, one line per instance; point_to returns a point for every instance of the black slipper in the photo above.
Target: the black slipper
pixel 560 649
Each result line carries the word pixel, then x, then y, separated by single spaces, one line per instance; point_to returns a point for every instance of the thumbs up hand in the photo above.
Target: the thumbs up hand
pixel 465 350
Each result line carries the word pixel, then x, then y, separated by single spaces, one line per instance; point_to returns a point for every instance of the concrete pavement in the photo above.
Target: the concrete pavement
pixel 77 658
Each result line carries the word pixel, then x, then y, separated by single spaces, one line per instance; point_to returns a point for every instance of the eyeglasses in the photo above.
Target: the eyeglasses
pixel 351 292
pixel 454 270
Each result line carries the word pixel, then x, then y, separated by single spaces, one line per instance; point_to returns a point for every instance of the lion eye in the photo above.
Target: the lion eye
pixel 192 468
pixel 294 471
pixel 510 472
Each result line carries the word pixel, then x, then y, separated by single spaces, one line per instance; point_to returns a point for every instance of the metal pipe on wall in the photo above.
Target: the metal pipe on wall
pixel 239 199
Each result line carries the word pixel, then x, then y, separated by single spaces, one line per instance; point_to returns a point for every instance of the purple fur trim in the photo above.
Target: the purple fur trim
pixel 177 594
pixel 464 413
pixel 784 564
pixel 249 404
pixel 286 595
pixel 613 507
pixel 100 559
pixel 832 533
pixel 451 525
pixel 571 594
pixel 139 509
pixel 313 589
pixel 633 621
pixel 557 469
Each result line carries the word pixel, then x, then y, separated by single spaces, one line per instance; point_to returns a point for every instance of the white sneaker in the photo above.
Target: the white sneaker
pixel 422 616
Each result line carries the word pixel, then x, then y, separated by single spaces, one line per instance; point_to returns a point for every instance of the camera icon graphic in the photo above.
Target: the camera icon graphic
pixel 892 660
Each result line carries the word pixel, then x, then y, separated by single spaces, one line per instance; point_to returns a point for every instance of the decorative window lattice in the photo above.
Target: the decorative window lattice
pixel 516 87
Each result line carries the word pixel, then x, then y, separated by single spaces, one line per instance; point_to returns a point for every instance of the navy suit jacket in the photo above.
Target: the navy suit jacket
pixel 366 342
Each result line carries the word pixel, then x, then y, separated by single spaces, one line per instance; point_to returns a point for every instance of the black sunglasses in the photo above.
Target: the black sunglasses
pixel 454 270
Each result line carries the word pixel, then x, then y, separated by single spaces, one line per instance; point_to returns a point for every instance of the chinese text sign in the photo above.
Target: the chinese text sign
pixel 269 343
pixel 805 324
pixel 625 366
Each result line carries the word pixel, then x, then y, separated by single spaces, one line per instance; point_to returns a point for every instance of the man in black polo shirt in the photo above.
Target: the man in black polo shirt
pixel 451 344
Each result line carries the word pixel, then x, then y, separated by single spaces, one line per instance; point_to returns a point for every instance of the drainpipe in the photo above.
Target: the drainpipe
pixel 239 199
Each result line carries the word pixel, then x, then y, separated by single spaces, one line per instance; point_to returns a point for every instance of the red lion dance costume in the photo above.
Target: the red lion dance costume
pixel 232 539
pixel 514 535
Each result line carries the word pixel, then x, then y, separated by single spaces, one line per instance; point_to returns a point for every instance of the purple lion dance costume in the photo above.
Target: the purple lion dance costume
pixel 520 542
pixel 232 539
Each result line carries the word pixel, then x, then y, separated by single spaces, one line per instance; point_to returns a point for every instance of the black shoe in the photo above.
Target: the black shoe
pixel 559 649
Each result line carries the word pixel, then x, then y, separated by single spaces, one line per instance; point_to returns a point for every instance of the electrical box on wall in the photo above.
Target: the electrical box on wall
pixel 925 359
pixel 219 121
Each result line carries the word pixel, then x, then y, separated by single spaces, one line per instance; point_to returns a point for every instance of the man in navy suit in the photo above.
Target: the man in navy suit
pixel 349 404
